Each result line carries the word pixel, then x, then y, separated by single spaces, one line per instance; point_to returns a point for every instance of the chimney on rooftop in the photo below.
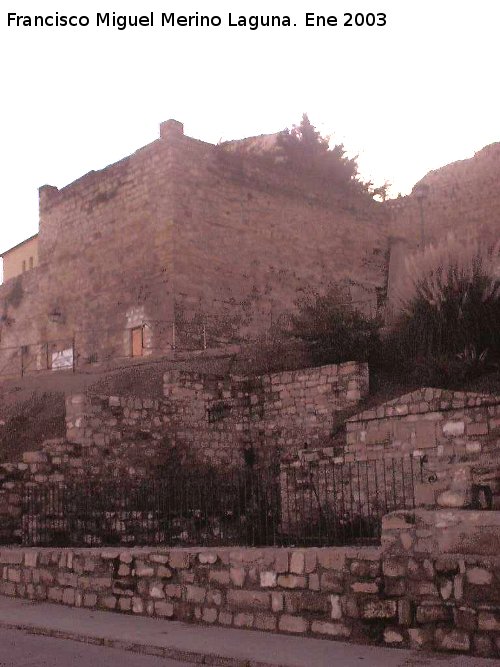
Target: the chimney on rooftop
pixel 171 128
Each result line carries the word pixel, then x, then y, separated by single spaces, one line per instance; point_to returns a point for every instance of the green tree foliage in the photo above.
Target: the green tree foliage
pixel 333 328
pixel 304 149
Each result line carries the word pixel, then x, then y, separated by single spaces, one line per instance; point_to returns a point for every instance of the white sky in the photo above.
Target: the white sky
pixel 410 97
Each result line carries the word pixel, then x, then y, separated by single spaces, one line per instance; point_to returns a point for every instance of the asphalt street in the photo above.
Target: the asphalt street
pixel 19 649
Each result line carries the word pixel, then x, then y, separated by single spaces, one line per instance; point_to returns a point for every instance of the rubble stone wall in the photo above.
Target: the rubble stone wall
pixel 434 584
pixel 429 421
pixel 220 421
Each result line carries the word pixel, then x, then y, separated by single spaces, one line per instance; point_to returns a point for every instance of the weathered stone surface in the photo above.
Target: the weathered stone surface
pixel 330 629
pixel 331 582
pixel 294 624
pixel 379 609
pixel 248 599
pixel 195 594
pixel 452 640
pixel 268 579
pixel 164 609
pixel 292 581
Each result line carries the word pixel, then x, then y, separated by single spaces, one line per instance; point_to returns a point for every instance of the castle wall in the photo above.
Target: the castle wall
pixel 182 230
pixel 253 234
pixel 462 198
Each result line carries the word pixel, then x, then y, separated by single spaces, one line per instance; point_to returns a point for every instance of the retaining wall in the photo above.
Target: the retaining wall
pixel 220 420
pixel 434 584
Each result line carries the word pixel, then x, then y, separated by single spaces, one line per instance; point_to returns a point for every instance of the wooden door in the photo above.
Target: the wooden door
pixel 137 346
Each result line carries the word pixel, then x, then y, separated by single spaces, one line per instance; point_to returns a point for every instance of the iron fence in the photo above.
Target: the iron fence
pixel 333 504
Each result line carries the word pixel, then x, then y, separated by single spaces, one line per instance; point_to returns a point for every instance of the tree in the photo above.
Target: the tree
pixel 333 328
pixel 304 148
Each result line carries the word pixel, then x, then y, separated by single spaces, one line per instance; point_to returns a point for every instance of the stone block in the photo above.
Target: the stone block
pixel 31 558
pixel 164 609
pixel 332 582
pixel 452 640
pixel 281 562
pixel 489 621
pixel 243 620
pixel 265 622
pixel 371 609
pixel 248 599
pixel 453 428
pixel 479 576
pixel 433 613
pixel 89 599
pixel 164 572
pixel 219 576
pixel 214 597
pixel 365 569
pixel 395 587
pixel 483 645
pixel 311 560
pixel 277 602
pixel 124 604
pixel 330 629
pixel 137 605
pixel 268 579
pixel 195 594
pixel 394 567
pixel 335 607
pixel 365 587
pixel 162 559
pixel 314 582
pixel 297 562
pixel 292 581
pixel 306 601
pixel 393 636
pixel 237 576
pixel 421 638
pixel 207 557
pixel 108 602
pixel 225 618
pixel 173 591
pixel 179 560
pixel 465 618
pixel 156 591
pixel 209 615
pixel 68 596
pixel 295 624
pixel 332 559
pixel 55 594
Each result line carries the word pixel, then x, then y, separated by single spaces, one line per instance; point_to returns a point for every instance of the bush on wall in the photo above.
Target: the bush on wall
pixel 334 329
pixel 448 328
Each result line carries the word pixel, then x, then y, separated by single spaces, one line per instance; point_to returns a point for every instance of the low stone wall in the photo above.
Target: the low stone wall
pixel 434 584
pixel 221 421
pixel 434 422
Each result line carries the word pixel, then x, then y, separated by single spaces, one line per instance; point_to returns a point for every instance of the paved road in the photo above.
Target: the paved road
pixel 19 649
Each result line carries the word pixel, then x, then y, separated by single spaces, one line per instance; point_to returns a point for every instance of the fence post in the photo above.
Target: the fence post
pixel 47 355
pixel 173 335
pixel 22 360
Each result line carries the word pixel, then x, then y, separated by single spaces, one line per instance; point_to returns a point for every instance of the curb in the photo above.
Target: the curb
pixel 144 649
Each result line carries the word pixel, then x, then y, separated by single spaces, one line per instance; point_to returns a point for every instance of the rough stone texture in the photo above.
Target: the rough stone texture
pixel 449 440
pixel 365 608
pixel 126 246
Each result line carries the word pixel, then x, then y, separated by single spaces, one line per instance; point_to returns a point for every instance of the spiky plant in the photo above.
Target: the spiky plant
pixel 449 304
